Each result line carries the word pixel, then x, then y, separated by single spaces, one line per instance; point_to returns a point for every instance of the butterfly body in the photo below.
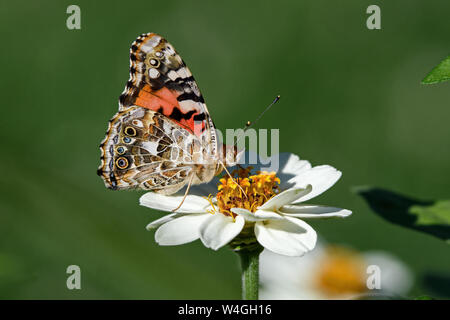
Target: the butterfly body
pixel 162 137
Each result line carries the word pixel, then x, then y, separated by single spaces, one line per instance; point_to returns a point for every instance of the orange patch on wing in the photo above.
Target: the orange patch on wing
pixel 154 100
pixel 165 101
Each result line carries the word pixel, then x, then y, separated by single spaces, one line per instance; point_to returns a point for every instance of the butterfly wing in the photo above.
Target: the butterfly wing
pixel 163 132
pixel 161 82
pixel 145 149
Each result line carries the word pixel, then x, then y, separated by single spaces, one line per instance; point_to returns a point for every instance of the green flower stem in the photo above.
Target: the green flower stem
pixel 250 272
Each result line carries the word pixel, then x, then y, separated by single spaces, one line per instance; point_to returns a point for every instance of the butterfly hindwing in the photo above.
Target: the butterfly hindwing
pixel 144 149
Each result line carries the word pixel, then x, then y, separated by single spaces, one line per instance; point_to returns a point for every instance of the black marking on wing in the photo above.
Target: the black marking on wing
pixel 113 179
pixel 190 96
pixel 128 98
pixel 180 81
pixel 178 115
pixel 200 117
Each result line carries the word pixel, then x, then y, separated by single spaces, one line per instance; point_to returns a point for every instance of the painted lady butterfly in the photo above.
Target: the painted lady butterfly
pixel 162 137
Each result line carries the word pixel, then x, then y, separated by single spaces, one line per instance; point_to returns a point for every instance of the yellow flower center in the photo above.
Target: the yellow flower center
pixel 245 190
pixel 342 272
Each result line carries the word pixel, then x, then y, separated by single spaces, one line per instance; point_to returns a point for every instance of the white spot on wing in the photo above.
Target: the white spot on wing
pixel 150 44
pixel 172 75
pixel 138 123
pixel 153 73
pixel 188 105
pixel 184 73
pixel 151 146
pixel 167 127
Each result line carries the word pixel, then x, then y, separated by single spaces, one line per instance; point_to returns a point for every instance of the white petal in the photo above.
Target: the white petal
pixel 290 167
pixel 312 211
pixel 192 203
pixel 246 214
pixel 285 197
pixel 284 277
pixel 267 215
pixel 292 164
pixel 282 270
pixel 289 237
pixel 321 178
pixel 287 165
pixel 259 215
pixel 158 222
pixel 180 230
pixel 219 229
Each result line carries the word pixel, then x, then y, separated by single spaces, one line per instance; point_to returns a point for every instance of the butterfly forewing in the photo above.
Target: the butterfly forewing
pixel 160 81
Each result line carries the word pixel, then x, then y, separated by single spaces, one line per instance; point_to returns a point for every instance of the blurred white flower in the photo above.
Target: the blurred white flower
pixel 271 209
pixel 330 272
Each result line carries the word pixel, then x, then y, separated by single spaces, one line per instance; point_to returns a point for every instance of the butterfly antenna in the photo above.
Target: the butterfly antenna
pixel 247 126
pixel 250 124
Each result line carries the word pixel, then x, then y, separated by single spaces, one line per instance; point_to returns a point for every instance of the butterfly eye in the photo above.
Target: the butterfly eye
pixel 126 140
pixel 159 54
pixel 122 163
pixel 120 150
pixel 130 131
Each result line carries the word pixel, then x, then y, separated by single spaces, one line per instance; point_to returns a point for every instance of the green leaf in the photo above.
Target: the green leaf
pixel 437 213
pixel 439 73
pixel 432 217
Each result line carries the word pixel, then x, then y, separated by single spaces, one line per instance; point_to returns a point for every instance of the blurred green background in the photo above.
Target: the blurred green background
pixel 351 98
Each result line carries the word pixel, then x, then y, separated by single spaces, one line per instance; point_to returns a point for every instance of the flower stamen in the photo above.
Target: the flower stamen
pixel 209 199
pixel 243 190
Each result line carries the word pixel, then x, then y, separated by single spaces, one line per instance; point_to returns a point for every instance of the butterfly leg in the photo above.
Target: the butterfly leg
pixel 186 193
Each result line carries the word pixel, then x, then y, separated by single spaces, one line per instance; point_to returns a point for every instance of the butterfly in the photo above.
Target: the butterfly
pixel 162 137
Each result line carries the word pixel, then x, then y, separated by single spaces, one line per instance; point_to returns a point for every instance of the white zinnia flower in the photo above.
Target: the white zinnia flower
pixel 331 272
pixel 274 212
